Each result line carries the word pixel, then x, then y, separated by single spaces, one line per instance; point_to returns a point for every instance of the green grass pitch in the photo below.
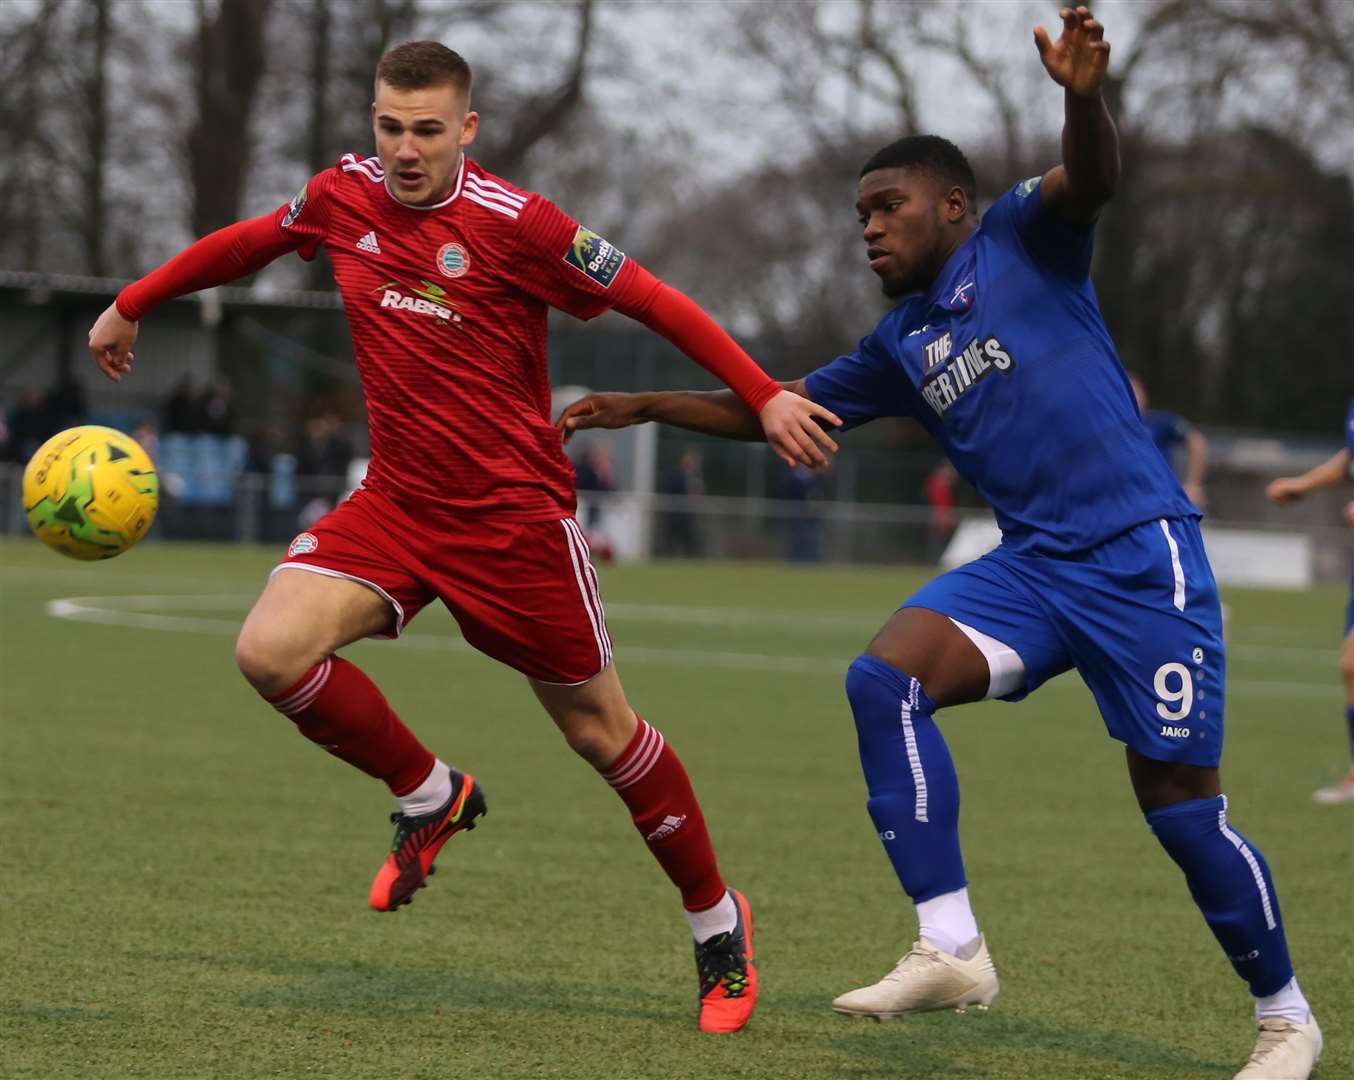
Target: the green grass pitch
pixel 184 878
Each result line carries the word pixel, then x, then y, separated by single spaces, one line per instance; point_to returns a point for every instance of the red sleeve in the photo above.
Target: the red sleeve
pixel 572 268
pixel 235 251
pixel 677 317
pixel 223 256
pixel 559 261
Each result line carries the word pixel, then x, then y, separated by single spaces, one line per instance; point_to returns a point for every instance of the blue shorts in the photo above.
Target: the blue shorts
pixel 1138 617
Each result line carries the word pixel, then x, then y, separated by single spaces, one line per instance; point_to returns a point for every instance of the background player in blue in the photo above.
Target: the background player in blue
pixel 1171 431
pixel 1339 469
pixel 998 348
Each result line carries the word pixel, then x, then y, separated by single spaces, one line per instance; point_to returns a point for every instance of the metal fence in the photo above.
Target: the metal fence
pixel 623 524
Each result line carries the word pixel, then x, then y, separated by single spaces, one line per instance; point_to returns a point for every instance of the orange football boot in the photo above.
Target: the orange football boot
pixel 728 978
pixel 419 839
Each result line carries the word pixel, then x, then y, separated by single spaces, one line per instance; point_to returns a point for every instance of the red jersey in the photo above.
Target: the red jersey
pixel 447 305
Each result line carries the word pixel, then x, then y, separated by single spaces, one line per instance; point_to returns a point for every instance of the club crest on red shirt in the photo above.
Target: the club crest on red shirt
pixel 453 260
pixel 303 544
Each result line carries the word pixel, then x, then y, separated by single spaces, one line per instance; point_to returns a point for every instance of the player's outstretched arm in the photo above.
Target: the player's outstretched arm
pixel 720 413
pixel 1089 172
pixel 792 424
pixel 1329 473
pixel 223 256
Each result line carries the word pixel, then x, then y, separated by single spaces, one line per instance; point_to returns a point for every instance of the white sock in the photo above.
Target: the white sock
pixel 947 923
pixel 430 794
pixel 719 919
pixel 1287 1003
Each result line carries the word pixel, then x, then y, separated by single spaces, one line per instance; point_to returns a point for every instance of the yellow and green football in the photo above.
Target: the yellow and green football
pixel 90 492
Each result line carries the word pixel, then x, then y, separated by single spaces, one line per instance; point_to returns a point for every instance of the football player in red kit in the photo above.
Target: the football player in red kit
pixel 447 273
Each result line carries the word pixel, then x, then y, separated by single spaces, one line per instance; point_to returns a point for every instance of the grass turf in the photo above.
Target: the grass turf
pixel 184 879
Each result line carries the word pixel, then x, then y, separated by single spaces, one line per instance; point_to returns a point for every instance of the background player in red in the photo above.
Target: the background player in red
pixel 1336 470
pixel 447 273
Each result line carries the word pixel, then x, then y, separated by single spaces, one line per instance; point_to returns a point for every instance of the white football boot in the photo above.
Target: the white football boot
pixel 925 979
pixel 1284 1051
pixel 1342 791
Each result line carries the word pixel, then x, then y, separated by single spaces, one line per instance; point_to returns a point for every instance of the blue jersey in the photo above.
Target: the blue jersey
pixel 1007 362
pixel 1168 431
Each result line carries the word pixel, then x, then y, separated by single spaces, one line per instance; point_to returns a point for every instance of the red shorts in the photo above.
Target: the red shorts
pixel 523 592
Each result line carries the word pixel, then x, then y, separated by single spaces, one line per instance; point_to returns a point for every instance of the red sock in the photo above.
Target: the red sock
pixel 649 777
pixel 337 707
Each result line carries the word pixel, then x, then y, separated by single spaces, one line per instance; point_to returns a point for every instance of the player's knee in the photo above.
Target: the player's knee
pixel 869 679
pixel 592 739
pixel 269 660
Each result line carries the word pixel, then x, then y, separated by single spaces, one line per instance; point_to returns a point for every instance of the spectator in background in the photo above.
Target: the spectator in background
pixel 804 486
pixel 322 466
pixel 148 438
pixel 939 491
pixel 190 410
pixel 181 411
pixel 218 415
pixel 265 442
pixel 595 470
pixel 325 451
pixel 29 425
pixel 1336 471
pixel 1170 431
pixel 685 484
pixel 66 404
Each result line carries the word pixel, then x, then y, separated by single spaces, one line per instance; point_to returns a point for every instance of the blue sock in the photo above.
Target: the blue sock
pixel 1229 880
pixel 1349 719
pixel 914 792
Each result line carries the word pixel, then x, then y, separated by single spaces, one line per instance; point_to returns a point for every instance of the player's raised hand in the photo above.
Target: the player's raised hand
pixel 1286 489
pixel 1079 58
pixel 791 426
pixel 600 411
pixel 110 341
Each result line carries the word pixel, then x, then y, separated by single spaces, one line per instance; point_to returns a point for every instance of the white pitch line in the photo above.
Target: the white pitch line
pixel 88 609
pixel 30 575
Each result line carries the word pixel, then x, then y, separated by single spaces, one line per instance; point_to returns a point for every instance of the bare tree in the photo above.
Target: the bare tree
pixel 1236 122
pixel 26 49
pixel 542 112
pixel 228 64
pixel 92 161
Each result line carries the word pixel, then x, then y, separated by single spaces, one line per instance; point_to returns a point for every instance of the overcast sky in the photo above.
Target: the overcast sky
pixel 723 105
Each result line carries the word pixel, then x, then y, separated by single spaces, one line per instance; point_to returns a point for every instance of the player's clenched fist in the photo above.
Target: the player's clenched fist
pixel 792 428
pixel 110 341
pixel 1079 58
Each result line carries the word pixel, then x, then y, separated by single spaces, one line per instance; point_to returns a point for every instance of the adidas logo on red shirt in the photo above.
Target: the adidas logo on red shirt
pixel 368 243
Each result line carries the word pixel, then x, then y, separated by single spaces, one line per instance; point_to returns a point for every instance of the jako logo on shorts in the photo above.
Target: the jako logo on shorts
pixel 303 545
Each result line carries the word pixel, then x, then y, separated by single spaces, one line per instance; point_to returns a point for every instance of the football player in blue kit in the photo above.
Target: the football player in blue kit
pixel 997 347
pixel 1336 470
pixel 1170 431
